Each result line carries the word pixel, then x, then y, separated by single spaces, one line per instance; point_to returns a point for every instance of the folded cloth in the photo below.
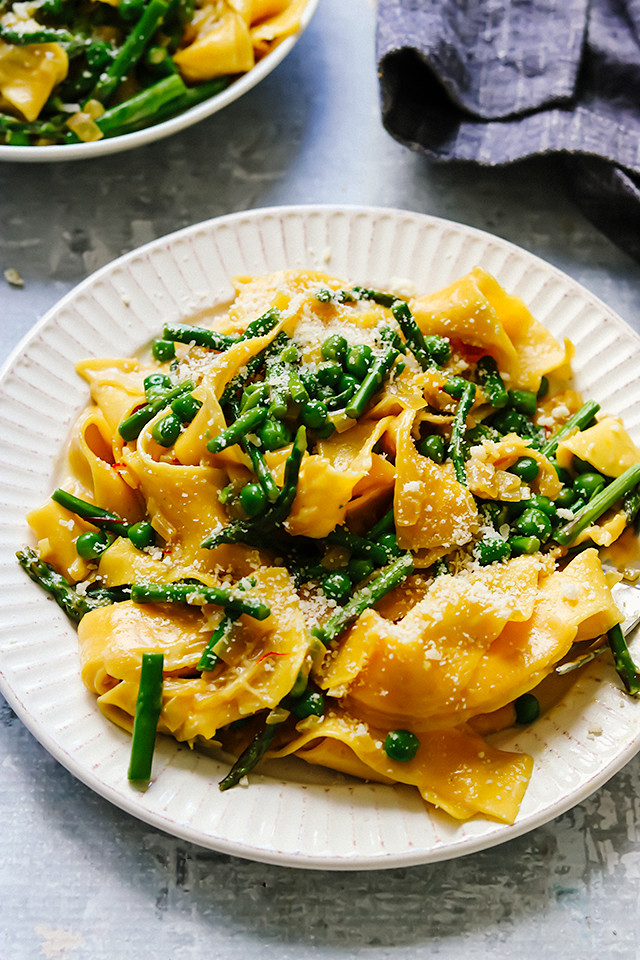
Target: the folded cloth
pixel 495 81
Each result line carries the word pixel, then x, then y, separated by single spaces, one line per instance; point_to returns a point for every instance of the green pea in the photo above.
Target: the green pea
pixel 390 542
pixel 310 704
pixel 401 745
pixel 524 401
pixel 314 414
pixel 290 354
pixel 99 52
pixel 455 386
pixel 543 503
pixel 433 447
pixel 334 347
pixel 358 569
pixel 167 430
pixel 310 382
pixel 186 407
pixel 274 434
pixel 566 498
pixel 163 350
pixel 527 708
pixel 329 374
pixel 141 534
pixel 156 382
pixel 253 499
pixel 524 545
pixel 337 586
pixel 90 545
pixel 511 421
pixel 348 383
pixel 491 550
pixel 358 360
pixel 527 468
pixel 534 523
pixel 588 484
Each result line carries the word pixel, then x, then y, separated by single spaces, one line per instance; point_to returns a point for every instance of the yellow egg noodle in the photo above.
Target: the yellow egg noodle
pixel 58 59
pixel 406 487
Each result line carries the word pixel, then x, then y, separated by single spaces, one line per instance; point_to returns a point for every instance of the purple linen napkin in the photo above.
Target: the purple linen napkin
pixel 495 81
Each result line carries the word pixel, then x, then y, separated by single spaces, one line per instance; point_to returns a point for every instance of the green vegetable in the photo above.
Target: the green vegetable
pixel 524 401
pixel 130 52
pixel 371 383
pixel 209 659
pixel 198 594
pixel 273 435
pixel 401 745
pixel 337 586
pixel 527 708
pixel 458 432
pixel 147 714
pixel 74 604
pixel 253 499
pixel 334 347
pixel 625 667
pixel 246 423
pixel 523 545
pixel 412 333
pixel 130 428
pixel 141 534
pixel 588 484
pixel 250 757
pixel 163 350
pixel 103 519
pixel 388 578
pixel 526 468
pixel 581 419
pixel 491 550
pixel 166 430
pixel 598 505
pixel 90 545
pixel 200 336
pixel 186 407
pixel 309 704
pixel 533 522
pixel 491 382
pixel 358 360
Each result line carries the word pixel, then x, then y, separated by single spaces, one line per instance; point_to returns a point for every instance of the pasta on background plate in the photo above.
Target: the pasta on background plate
pixel 360 527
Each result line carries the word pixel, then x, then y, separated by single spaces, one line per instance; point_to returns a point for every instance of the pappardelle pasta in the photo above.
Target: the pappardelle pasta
pixel 360 527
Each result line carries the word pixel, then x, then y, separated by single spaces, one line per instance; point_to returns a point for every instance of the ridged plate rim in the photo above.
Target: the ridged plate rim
pixel 289 816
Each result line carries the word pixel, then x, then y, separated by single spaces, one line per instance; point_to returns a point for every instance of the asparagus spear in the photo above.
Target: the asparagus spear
pixel 365 597
pixel 131 50
pixel 598 505
pixel 131 426
pixel 103 519
pixel 579 420
pixel 197 594
pixel 257 530
pixel 147 714
pixel 458 431
pixel 625 667
pixel 412 333
pixel 201 336
pixel 371 383
pixel 74 604
pixel 209 658
pixel 491 381
pixel 246 423
pixel 251 756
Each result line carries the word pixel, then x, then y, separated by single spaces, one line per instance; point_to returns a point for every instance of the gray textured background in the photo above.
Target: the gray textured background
pixel 81 879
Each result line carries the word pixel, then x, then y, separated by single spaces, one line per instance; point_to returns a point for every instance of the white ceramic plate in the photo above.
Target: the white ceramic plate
pixel 139 138
pixel 295 815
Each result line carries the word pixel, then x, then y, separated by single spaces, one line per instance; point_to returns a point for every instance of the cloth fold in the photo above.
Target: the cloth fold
pixel 496 81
